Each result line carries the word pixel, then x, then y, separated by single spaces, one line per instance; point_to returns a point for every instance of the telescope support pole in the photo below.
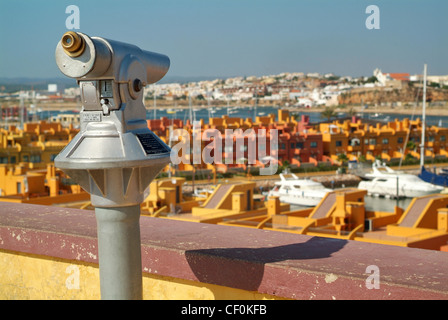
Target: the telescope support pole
pixel 119 251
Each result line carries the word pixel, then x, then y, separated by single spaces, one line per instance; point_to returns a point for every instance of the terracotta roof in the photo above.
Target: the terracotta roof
pixel 400 76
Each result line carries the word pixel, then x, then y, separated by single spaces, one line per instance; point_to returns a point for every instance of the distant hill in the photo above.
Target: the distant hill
pixel 185 79
pixel 23 83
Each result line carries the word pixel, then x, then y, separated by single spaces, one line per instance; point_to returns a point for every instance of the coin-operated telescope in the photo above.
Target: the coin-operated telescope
pixel 115 156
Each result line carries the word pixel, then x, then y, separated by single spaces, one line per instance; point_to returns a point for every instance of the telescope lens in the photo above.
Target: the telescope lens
pixel 73 44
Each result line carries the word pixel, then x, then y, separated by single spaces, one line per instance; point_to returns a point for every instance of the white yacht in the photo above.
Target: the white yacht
pixel 302 192
pixel 384 181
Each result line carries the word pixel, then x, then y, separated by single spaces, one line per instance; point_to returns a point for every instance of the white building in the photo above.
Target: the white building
pixel 304 102
pixel 52 87
pixel 391 79
pixel 72 92
pixel 380 76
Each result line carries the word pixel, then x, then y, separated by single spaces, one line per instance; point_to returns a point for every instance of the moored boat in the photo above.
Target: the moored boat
pixel 384 181
pixel 302 192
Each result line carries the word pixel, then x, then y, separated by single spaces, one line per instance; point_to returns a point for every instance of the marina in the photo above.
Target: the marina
pixel 204 113
pixel 235 194
pixel 251 112
pixel 343 213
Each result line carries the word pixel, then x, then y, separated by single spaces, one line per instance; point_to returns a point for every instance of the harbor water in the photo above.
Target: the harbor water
pixel 377 204
pixel 251 112
pixel 385 204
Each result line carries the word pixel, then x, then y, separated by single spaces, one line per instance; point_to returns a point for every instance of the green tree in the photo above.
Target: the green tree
pixel 411 145
pixel 371 79
pixel 328 113
pixel 342 157
pixel 284 167
pixel 351 112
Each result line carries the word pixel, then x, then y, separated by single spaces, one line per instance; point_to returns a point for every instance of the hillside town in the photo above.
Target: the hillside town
pixel 298 89
pixel 287 89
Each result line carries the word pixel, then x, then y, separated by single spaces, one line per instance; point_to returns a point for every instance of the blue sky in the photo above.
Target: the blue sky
pixel 237 37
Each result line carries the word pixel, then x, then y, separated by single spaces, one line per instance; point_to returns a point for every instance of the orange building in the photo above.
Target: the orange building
pixel 301 142
pixel 37 143
pixel 250 141
pixel 386 141
pixel 22 183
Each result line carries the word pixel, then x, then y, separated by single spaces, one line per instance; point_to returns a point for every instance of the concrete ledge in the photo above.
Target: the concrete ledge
pixel 268 262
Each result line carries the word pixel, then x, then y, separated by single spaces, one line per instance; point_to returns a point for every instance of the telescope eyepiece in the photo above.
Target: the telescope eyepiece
pixel 73 44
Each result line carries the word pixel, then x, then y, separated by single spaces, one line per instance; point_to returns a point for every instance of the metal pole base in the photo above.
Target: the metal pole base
pixel 119 251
